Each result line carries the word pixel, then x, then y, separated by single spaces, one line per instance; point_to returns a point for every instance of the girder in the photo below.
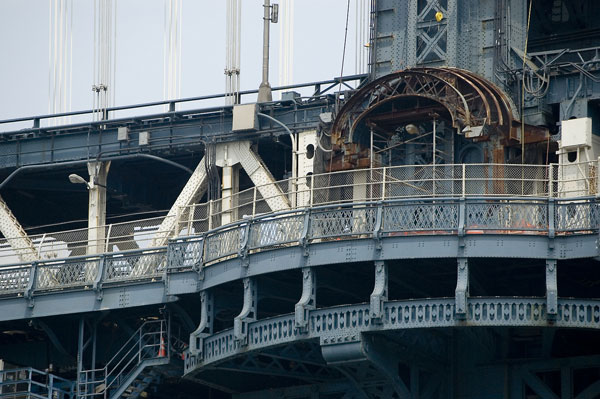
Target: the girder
pixel 17 238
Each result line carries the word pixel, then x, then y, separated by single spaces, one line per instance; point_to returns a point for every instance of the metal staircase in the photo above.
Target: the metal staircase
pixel 128 373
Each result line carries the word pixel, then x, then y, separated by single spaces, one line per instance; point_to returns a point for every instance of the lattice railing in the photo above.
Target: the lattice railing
pixel 576 180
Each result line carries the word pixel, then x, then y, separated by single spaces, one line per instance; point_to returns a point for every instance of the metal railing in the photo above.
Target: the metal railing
pixel 149 343
pixel 318 88
pixel 26 383
pixel 372 220
pixel 575 180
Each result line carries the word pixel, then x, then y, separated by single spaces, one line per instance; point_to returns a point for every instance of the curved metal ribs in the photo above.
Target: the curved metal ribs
pixel 468 100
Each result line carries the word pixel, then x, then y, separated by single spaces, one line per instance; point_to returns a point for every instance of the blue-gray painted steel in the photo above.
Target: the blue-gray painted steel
pixel 345 324
pixel 402 229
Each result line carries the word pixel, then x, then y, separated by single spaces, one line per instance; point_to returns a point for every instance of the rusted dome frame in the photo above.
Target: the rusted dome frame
pixel 469 99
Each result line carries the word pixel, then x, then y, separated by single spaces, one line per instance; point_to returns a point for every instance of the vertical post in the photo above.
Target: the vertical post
pixel 550 181
pixel 371 151
pixel 551 289
pixel 462 288
pixel 192 214
pixel 106 246
pixel 254 203
pixel 464 185
pixel 264 90
pixel 380 291
pixel 80 356
pixel 93 365
pixel 312 184
pixel 98 172
pixel 383 193
pixel 434 154
pixel 210 214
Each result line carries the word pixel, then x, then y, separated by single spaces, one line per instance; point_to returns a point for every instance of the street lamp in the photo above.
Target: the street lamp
pixel 76 179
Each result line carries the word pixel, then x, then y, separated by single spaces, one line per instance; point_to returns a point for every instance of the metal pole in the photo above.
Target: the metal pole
pixel 434 150
pixel 264 90
pixel 80 355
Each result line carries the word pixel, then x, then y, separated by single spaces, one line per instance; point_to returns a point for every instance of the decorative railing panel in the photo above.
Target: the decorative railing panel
pixel 417 216
pixel 14 279
pixel 268 232
pixel 121 267
pixel 66 273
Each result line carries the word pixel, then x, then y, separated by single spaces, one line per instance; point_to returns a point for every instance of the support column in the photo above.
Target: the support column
pixel 229 188
pixel 308 300
pixel 248 313
pixel 98 172
pixel 380 291
pixel 551 289
pixel 205 328
pixel 462 288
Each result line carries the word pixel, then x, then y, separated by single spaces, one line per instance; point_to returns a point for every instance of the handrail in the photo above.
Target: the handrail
pixel 575 180
pixel 376 219
pixel 171 103
pixel 152 335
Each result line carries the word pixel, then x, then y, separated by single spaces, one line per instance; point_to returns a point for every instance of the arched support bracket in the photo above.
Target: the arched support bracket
pixel 248 313
pixel 462 288
pixel 380 291
pixel 205 328
pixel 308 300
pixel 551 289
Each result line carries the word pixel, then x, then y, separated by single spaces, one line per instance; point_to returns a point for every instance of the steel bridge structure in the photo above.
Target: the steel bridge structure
pixel 428 230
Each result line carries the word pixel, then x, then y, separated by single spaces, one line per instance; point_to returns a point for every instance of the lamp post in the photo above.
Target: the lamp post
pixel 271 14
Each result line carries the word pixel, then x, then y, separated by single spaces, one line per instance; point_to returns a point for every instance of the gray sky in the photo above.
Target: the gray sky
pixel 319 36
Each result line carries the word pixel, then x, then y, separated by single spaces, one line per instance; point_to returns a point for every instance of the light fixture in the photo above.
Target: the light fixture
pixel 76 179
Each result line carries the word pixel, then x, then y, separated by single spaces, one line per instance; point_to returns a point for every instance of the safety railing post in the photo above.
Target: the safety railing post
pixel 106 245
pixel 551 180
pixel 254 202
pixel 312 185
pixel 383 182
pixel 210 214
pixel 463 178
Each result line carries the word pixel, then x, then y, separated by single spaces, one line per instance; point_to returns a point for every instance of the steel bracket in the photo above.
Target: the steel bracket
pixel 462 288
pixel 308 300
pixel 205 328
pixel 551 289
pixel 248 313
pixel 380 291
